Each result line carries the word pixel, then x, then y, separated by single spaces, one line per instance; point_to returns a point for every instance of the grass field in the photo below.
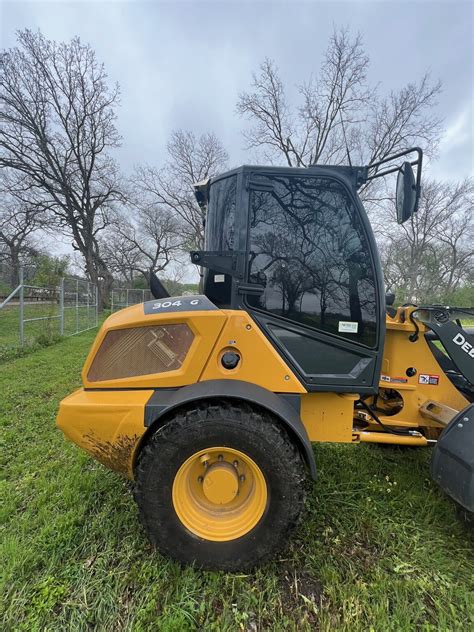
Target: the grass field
pixel 39 331
pixel 379 548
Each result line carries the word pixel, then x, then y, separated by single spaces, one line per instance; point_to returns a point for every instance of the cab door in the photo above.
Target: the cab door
pixel 314 282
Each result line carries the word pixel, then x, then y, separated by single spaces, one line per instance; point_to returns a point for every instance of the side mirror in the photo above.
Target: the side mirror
pixel 405 201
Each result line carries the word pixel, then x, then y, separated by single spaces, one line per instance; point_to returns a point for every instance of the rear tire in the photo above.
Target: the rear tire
pixel 220 485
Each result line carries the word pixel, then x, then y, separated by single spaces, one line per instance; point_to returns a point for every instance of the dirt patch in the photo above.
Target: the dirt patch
pixel 116 456
pixel 300 591
pixel 363 552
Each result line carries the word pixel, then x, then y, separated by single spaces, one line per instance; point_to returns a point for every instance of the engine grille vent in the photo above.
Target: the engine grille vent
pixel 141 351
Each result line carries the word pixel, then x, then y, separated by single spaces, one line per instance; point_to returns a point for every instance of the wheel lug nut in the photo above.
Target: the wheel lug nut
pixel 200 479
pixel 220 457
pixel 235 464
pixel 242 478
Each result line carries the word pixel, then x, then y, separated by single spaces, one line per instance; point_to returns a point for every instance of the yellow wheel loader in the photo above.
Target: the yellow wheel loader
pixel 211 403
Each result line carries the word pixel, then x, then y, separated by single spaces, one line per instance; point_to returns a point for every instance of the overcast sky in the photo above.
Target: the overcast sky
pixel 183 64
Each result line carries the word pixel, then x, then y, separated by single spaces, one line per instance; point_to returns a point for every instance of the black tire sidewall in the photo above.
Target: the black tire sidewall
pixel 264 446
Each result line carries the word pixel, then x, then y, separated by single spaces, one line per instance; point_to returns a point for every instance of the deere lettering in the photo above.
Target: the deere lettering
pixel 466 346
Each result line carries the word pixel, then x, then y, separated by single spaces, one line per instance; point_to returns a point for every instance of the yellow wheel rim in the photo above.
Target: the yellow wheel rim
pixel 219 494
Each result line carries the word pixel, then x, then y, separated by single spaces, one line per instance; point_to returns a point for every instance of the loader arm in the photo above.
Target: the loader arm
pixel 458 342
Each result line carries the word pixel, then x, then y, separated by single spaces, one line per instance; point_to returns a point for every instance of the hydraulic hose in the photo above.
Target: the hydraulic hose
pixel 401 433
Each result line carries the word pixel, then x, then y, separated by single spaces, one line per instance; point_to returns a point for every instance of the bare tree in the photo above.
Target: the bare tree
pixel 149 239
pixel 20 219
pixel 431 256
pixel 190 160
pixel 338 113
pixel 339 117
pixel 58 123
pixel 122 258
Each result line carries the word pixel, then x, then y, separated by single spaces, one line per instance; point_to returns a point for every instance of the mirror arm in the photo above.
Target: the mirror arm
pixel 418 178
pixel 418 161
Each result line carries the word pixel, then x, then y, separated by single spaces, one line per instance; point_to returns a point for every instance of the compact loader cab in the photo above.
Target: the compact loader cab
pixel 295 250
pixel 211 403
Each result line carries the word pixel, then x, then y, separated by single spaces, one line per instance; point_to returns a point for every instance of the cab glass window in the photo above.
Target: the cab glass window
pixel 309 251
pixel 220 221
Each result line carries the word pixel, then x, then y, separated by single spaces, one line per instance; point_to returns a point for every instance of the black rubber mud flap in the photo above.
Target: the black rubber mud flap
pixel 452 464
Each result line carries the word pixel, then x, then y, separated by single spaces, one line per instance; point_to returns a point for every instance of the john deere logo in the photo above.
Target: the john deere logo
pixel 466 346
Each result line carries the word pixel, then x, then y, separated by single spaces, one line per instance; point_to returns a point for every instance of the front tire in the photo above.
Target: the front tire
pixel 220 485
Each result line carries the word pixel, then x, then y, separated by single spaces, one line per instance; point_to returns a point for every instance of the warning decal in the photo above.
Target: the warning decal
pixel 393 380
pixel 432 380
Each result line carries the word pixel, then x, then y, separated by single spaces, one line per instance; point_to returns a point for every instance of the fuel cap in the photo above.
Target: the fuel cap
pixel 230 360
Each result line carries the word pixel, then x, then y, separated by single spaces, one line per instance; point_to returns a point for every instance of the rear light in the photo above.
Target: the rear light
pixel 141 351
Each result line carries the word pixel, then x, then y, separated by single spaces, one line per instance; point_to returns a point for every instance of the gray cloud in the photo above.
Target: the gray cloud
pixel 183 64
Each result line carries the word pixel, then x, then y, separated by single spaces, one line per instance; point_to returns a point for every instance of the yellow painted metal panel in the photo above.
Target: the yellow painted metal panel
pixel 399 355
pixel 205 325
pixel 107 424
pixel 328 416
pixel 260 362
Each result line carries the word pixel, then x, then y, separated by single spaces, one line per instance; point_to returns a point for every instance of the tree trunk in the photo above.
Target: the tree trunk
pixel 98 273
pixel 15 267
pixel 105 288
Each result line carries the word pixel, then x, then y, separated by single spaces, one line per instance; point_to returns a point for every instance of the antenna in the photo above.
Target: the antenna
pixel 345 139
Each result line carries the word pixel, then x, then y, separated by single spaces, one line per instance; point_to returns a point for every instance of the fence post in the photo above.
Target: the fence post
pixel 61 306
pixel 126 300
pixel 77 305
pixel 22 308
pixel 96 305
pixel 112 301
pixel 88 289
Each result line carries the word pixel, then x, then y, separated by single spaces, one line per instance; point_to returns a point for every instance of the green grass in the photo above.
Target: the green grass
pixel 379 548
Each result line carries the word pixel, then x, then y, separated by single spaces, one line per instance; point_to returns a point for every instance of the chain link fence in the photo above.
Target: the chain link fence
pixel 33 314
pixel 124 297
